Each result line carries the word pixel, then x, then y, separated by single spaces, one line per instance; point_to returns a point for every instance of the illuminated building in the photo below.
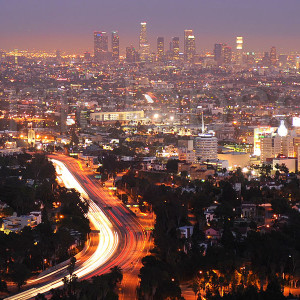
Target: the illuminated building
pixel 122 116
pixel 206 147
pixel 289 162
pixel 273 56
pixel 227 55
pixel 266 59
pixel 189 45
pixel 115 45
pixel 160 48
pixel 250 58
pixel 100 46
pixel 239 50
pixel 280 144
pixel 58 56
pixel 31 137
pixel 175 47
pixel 260 132
pixel 143 43
pixel 282 60
pixel 271 147
pixel 131 54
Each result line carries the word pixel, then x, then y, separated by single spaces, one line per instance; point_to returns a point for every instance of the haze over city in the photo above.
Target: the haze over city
pixel 68 24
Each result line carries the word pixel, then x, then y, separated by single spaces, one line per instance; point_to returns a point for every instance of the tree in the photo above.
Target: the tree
pixel 74 138
pixel 40 297
pixel 172 166
pixel 19 274
pixel 195 287
pixel 116 275
pixel 71 265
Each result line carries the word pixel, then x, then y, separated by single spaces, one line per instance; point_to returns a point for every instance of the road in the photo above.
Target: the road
pixel 120 241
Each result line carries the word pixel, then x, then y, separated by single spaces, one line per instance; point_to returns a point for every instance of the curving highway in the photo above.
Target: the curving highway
pixel 117 237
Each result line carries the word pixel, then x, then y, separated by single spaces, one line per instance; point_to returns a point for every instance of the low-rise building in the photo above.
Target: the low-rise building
pixel 15 223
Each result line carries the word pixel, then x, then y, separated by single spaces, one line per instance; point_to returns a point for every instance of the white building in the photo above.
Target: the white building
pixel 271 147
pixel 15 224
pixel 122 116
pixel 186 155
pixel 206 146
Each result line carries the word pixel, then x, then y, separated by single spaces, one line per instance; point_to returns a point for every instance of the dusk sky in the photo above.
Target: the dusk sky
pixel 69 24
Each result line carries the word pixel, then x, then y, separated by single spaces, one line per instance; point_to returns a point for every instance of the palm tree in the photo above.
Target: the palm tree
pixel 116 275
pixel 195 286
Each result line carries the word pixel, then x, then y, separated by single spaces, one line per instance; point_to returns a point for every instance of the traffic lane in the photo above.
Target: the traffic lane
pixel 136 239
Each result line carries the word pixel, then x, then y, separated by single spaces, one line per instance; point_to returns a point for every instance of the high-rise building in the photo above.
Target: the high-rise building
pixel 189 45
pixel 219 53
pixel 266 59
pixel 175 47
pixel 131 54
pixel 206 147
pixel 144 46
pixel 160 48
pixel 282 60
pixel 115 44
pixel 227 55
pixel 250 58
pixel 273 56
pixel 100 46
pixel 239 50
pixel 271 147
pixel 58 56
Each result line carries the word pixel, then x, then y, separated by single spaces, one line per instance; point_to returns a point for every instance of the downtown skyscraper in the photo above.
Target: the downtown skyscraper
pixel 160 48
pixel 144 46
pixel 175 48
pixel 100 46
pixel 115 44
pixel 219 54
pixel 273 56
pixel 189 45
pixel 239 50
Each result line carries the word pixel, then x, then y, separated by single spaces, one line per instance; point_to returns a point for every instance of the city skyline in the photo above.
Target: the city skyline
pixel 68 25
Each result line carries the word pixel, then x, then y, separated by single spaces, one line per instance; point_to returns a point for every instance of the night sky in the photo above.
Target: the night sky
pixel 69 24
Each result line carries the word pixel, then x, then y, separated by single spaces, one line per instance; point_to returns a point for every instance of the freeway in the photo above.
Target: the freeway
pixel 118 238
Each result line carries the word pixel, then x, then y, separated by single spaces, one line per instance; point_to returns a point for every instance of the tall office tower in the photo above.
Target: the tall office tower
pixel 206 147
pixel 189 45
pixel 144 46
pixel 115 45
pixel 266 59
pixel 271 147
pixel 227 55
pixel 239 50
pixel 131 54
pixel 175 47
pixel 250 58
pixel 58 56
pixel 100 46
pixel 160 48
pixel 282 62
pixel 273 56
pixel 219 53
